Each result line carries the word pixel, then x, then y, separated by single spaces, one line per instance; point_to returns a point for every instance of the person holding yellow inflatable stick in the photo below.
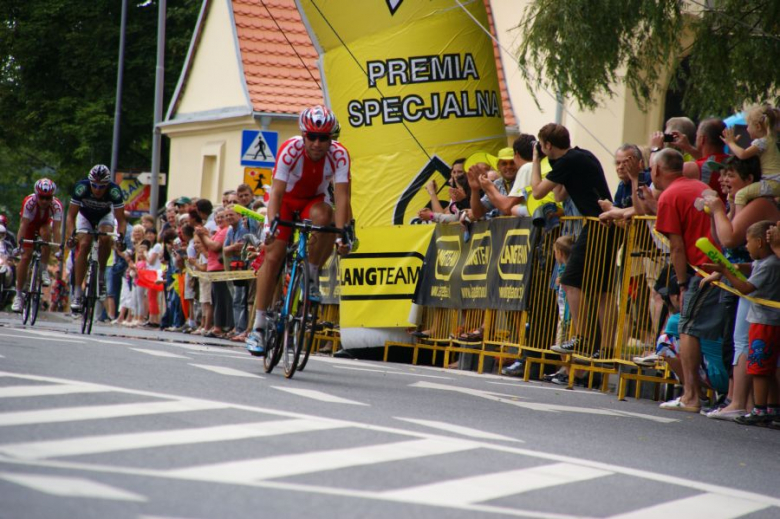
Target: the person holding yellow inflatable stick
pixel 764 332
pixel 306 166
pixel 702 315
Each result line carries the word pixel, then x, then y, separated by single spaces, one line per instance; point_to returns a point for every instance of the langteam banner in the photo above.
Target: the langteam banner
pixel 377 282
pixel 491 270
pixel 414 85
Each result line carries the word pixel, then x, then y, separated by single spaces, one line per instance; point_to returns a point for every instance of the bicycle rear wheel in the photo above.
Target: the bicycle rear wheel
pixel 311 329
pixel 295 327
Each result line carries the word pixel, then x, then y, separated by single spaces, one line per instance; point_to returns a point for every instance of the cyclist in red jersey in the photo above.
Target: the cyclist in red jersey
pixel 306 167
pixel 41 214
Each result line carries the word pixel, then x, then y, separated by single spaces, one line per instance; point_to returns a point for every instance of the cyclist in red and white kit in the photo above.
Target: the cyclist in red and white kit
pixel 41 216
pixel 306 167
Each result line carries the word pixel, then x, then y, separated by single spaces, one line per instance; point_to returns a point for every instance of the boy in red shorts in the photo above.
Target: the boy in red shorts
pixel 764 334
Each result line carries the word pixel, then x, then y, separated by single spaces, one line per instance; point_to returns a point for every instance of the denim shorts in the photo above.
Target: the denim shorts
pixel 702 313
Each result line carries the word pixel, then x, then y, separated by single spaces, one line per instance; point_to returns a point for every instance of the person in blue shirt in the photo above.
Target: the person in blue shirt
pixel 96 204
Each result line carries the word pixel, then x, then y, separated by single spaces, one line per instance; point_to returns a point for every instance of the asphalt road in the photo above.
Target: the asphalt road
pixel 140 424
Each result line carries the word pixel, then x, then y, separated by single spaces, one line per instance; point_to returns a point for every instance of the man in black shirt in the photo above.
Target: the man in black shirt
pixel 580 173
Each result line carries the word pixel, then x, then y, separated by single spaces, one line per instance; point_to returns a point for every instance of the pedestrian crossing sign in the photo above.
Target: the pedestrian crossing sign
pixel 258 148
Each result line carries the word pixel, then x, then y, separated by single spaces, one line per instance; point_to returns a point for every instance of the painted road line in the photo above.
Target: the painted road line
pixel 459 429
pixel 538 385
pixel 310 462
pixel 54 338
pixel 70 487
pixel 132 441
pixel 471 490
pixel 711 506
pixel 226 371
pixel 317 395
pixel 73 414
pixel 48 390
pixel 106 341
pixel 539 406
pixel 386 372
pixel 160 353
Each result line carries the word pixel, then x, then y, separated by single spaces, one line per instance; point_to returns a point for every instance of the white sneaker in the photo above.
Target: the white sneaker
pixel 18 303
pixel 45 278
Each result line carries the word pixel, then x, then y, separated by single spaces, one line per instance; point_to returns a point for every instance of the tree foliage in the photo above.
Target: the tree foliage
pixel 58 71
pixel 582 48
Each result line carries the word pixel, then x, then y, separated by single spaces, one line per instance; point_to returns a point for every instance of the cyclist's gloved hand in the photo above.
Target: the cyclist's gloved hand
pixel 343 247
pixel 16 252
pixel 58 255
pixel 266 236
pixel 71 243
pixel 121 246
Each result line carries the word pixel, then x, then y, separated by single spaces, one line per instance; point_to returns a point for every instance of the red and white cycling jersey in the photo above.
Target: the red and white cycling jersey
pixel 305 178
pixel 36 215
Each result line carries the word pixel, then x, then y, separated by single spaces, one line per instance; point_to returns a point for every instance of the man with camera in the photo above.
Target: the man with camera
pixel 580 173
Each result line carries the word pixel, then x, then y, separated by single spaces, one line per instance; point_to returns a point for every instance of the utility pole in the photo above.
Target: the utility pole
pixel 158 106
pixel 119 80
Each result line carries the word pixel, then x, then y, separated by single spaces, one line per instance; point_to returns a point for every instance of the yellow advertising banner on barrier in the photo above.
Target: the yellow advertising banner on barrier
pixel 378 281
pixel 414 85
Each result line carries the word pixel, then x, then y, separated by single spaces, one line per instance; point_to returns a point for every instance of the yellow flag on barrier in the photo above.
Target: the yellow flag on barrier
pixel 378 281
pixel 414 85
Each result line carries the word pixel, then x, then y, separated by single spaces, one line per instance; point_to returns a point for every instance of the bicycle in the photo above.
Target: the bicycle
pixel 92 279
pixel 32 295
pixel 292 318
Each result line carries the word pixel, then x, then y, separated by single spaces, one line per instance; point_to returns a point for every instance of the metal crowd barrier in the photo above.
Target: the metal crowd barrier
pixel 620 314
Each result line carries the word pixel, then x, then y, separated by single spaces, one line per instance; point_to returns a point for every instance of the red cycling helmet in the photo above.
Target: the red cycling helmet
pixel 3 219
pixel 318 119
pixel 45 187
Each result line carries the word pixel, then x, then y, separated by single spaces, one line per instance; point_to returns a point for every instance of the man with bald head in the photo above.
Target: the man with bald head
pixel 702 316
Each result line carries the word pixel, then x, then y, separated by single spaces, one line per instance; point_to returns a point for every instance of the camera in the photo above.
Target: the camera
pixel 538 147
pixel 668 137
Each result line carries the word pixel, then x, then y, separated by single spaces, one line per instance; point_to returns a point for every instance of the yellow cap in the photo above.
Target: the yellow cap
pixel 506 154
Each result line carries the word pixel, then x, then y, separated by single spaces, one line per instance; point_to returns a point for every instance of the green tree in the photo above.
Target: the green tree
pixel 583 47
pixel 58 65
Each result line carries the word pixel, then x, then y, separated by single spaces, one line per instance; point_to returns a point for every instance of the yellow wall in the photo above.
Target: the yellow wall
pixel 206 158
pixel 215 79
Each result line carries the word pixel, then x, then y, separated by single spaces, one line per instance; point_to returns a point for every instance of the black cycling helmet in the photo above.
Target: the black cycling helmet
pixel 100 174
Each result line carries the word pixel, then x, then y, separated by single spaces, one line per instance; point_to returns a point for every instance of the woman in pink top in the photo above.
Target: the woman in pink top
pixel 220 292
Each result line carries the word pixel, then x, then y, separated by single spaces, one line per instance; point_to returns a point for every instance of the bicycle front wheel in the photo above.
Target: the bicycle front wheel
pixel 311 330
pixel 28 300
pixel 297 314
pixel 35 292
pixel 88 310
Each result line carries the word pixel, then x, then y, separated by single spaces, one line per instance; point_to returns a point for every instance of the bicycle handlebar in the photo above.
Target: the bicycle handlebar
pixel 41 242
pixel 305 226
pixel 97 233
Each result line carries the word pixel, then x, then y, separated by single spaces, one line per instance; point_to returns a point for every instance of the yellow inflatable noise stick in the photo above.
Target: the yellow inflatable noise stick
pixel 248 213
pixel 706 246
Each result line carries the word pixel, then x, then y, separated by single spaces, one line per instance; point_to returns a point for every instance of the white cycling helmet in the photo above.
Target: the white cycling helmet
pixel 100 174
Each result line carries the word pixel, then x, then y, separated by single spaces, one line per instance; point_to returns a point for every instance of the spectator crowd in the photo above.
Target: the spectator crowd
pixel 698 182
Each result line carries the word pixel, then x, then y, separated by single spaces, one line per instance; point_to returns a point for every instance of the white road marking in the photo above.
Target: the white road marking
pixel 70 487
pixel 72 414
pixel 683 482
pixel 534 385
pixel 106 341
pixel 386 372
pixel 538 406
pixel 711 506
pixel 132 441
pixel 317 395
pixel 226 371
pixel 54 338
pixel 2 356
pixel 459 429
pixel 52 389
pixel 310 462
pixel 159 353
pixel 471 490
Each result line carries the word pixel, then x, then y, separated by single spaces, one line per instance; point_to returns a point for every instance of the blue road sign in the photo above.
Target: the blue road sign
pixel 259 148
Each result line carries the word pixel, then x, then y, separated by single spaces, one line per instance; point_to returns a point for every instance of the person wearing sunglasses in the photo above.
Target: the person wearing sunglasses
pixel 40 216
pixel 309 168
pixel 96 203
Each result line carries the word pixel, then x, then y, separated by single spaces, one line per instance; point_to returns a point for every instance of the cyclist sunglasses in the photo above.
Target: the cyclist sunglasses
pixel 98 186
pixel 322 137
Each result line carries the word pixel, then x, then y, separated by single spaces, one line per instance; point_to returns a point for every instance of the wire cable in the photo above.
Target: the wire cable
pixel 290 44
